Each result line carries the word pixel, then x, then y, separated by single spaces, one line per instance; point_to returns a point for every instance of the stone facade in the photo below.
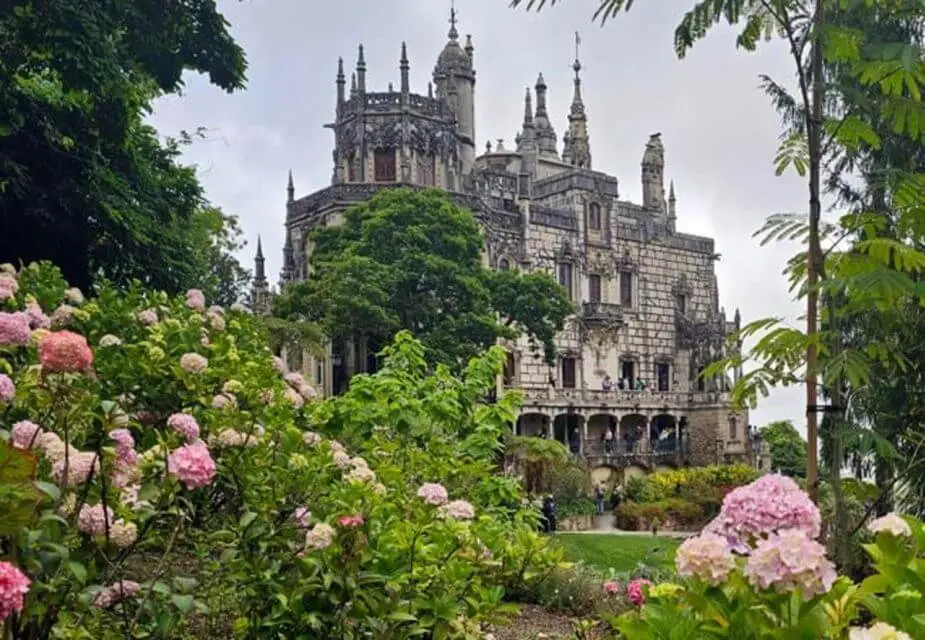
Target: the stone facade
pixel 646 294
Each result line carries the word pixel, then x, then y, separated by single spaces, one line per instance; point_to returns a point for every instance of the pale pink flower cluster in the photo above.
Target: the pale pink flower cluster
pixel 433 493
pixel 233 438
pixel 9 286
pixel 237 307
pixel 65 352
pixel 224 401
pixel 7 388
pixel 232 386
pixel 125 465
pixel 94 519
pixel 298 384
pixel 192 465
pixel 185 425
pixel 123 534
pixel 14 585
pixel 351 521
pixel 217 321
pixel 74 296
pixel 706 557
pixel 193 363
pixel 14 329
pixel 311 438
pixel 341 459
pixel 279 365
pixel 612 587
pixel 789 559
pixel 54 448
pixel 878 631
pixel 129 497
pixel 770 503
pixel 891 523
pixel 458 509
pixel 361 475
pixel 337 446
pixel 62 316
pixel 303 516
pixel 635 593
pixel 25 434
pixel 293 397
pixel 147 317
pixel 195 300
pixel 110 340
pixel 115 593
pixel 37 317
pixel 320 536
pixel 78 467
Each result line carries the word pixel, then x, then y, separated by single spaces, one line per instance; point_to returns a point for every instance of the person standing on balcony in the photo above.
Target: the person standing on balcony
pixel 624 384
pixel 640 384
pixel 608 440
pixel 606 383
pixel 599 499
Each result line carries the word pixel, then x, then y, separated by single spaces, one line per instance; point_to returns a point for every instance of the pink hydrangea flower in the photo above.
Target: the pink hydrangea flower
pixel 294 380
pixel 311 438
pixel 635 593
pixel 303 516
pixel 9 281
pixel 74 296
pixel 433 493
pixel 110 340
pixel 892 524
pixel 770 503
pixel 217 322
pixel 193 363
pixel 351 521
pixel 147 317
pixel 294 398
pixel 192 464
pixel 14 585
pixel 789 559
pixel 707 557
pixel 80 465
pixel 195 300
pixel 612 587
pixel 877 631
pixel 37 317
pixel 25 434
pixel 234 438
pixel 123 534
pixel 123 438
pixel 14 329
pixel 185 425
pixel 361 475
pixel 6 292
pixel 341 459
pixel 92 519
pixel 115 593
pixel 65 351
pixel 279 365
pixel 458 509
pixel 224 401
pixel 7 388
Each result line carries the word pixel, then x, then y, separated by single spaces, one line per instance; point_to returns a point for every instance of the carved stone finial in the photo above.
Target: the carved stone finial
pixel 453 34
pixel 488 146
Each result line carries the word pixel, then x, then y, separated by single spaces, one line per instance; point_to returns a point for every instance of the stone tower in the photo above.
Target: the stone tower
pixel 545 134
pixel 577 144
pixel 260 291
pixel 454 78
pixel 653 175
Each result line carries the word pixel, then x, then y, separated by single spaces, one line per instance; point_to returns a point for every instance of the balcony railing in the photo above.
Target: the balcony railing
pixel 630 448
pixel 646 398
pixel 602 313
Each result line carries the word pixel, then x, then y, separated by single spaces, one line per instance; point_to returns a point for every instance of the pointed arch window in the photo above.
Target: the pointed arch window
pixel 384 165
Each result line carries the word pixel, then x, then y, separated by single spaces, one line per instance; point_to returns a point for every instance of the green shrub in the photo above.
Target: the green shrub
pixel 674 512
pixel 576 591
pixel 575 507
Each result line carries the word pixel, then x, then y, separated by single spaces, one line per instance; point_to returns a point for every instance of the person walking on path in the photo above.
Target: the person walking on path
pixel 549 513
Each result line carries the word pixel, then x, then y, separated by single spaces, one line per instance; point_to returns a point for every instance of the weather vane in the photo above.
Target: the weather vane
pixel 453 13
pixel 577 44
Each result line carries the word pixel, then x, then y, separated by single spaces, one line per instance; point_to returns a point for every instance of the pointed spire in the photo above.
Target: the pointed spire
pixel 259 255
pixel 470 50
pixel 540 96
pixel 340 82
pixel 430 89
pixel 290 189
pixel 671 197
pixel 260 288
pixel 353 85
pixel 361 71
pixel 578 106
pixel 528 108
pixel 453 34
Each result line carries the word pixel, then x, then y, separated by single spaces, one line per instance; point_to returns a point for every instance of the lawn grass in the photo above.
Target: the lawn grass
pixel 619 552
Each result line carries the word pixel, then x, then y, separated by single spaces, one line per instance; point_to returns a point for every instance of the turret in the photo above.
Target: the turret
pixel 361 71
pixel 403 65
pixel 290 190
pixel 653 175
pixel 454 77
pixel 341 81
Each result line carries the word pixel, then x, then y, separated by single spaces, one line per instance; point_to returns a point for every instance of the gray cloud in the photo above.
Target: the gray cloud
pixel 720 131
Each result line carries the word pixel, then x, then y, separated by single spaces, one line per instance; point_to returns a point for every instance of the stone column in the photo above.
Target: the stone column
pixel 677 433
pixel 583 434
pixel 647 437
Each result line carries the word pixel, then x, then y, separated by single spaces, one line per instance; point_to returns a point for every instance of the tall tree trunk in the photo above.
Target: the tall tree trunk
pixel 814 256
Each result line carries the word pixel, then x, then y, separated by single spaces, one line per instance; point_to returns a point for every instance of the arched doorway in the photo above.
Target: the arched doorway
pixel 533 424
pixel 599 425
pixel 567 428
pixel 633 432
pixel 663 435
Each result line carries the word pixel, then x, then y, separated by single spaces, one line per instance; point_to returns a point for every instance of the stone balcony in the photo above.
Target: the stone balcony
pixel 645 400
pixel 603 314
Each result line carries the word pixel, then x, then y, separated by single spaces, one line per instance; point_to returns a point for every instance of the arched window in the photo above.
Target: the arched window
pixel 503 264
pixel 594 217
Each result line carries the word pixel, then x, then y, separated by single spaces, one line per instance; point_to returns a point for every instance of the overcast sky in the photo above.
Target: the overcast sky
pixel 719 130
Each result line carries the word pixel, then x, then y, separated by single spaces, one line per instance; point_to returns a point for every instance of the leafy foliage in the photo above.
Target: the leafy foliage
pixel 788 448
pixel 412 260
pixel 85 181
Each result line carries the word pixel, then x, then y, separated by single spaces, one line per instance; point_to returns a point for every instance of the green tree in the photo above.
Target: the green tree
pixel 214 238
pixel 412 260
pixel 83 180
pixel 788 448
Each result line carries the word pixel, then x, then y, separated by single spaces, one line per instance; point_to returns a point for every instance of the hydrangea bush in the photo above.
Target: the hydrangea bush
pixel 757 571
pixel 138 429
